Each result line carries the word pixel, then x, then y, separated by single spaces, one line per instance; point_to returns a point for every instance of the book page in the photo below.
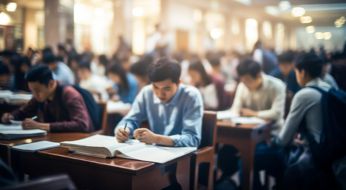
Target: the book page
pixel 157 154
pixel 96 144
pixel 247 120
pixel 227 114
pixel 36 146
pixel 6 127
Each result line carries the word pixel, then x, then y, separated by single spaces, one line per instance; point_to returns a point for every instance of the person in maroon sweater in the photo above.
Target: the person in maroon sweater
pixel 58 108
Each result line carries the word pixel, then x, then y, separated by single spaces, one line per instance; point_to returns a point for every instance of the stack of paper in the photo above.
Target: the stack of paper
pixel 117 107
pixel 36 146
pixel 10 97
pixel 14 131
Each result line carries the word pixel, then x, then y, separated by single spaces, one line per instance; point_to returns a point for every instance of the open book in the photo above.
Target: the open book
pixel 15 131
pixel 227 115
pixel 107 147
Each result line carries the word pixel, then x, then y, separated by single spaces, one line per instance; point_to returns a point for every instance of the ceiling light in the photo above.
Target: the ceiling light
pixel 11 7
pixel 284 5
pixel 340 22
pixel 327 35
pixel 298 11
pixel 137 12
pixel 305 19
pixel 310 29
pixel 272 10
pixel 319 35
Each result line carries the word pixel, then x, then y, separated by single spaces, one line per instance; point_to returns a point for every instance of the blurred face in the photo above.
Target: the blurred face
pixel 83 74
pixel 165 90
pixel 195 77
pixel 40 91
pixel 114 77
pixel 286 68
pixel 250 82
pixel 52 66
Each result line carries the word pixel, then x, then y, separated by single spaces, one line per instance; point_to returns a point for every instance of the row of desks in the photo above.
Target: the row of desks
pixel 117 173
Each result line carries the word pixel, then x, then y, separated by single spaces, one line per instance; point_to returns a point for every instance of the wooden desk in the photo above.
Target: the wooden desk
pixel 5 145
pixel 244 138
pixel 98 173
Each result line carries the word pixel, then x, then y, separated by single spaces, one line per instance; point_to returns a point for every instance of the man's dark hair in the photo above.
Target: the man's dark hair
pixel 164 69
pixel 286 57
pixel 310 63
pixel 84 65
pixel 141 67
pixel 39 73
pixel 249 67
pixel 48 58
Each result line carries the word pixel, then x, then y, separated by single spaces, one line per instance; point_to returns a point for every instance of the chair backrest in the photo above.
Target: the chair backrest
pixel 57 182
pixel 208 129
pixel 103 116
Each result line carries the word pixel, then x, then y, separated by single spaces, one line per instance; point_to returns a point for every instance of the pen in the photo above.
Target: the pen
pixel 35 117
pixel 125 127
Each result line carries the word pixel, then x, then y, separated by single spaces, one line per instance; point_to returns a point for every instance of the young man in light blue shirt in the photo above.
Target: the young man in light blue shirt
pixel 174 111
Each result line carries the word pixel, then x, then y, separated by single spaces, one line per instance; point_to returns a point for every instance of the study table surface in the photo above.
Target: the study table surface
pixel 244 137
pixel 99 173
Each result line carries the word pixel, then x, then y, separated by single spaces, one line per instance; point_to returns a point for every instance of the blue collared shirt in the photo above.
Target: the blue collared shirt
pixel 180 119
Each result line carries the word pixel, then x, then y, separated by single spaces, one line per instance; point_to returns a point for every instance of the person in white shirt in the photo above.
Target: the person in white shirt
pixel 258 95
pixel 96 84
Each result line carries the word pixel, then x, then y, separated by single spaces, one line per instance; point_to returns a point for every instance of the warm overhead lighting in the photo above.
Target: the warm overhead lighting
pixel 298 11
pixel 11 7
pixel 216 33
pixel 310 29
pixel 138 12
pixel 4 19
pixel 305 19
pixel 319 35
pixel 272 10
pixel 284 5
pixel 340 22
pixel 327 35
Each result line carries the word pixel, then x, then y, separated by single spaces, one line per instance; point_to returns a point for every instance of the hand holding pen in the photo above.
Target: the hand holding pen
pixel 122 134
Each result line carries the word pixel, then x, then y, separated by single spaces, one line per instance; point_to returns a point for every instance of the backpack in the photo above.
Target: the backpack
pixel 332 144
pixel 94 110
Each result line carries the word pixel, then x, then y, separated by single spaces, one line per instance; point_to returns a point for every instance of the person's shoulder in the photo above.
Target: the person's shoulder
pixel 70 92
pixel 274 82
pixel 189 90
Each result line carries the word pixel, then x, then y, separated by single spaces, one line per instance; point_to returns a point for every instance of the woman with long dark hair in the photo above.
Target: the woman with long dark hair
pixel 125 83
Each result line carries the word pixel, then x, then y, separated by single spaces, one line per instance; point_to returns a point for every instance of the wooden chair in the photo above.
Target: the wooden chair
pixel 57 182
pixel 103 129
pixel 205 152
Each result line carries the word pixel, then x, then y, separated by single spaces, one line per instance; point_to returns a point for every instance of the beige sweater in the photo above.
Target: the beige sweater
pixel 268 100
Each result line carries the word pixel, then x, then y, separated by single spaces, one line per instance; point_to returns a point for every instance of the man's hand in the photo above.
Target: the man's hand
pixel 122 134
pixel 145 135
pixel 31 124
pixel 6 117
pixel 248 112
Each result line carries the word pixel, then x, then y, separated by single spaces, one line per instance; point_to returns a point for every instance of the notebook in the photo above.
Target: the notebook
pixel 36 146
pixel 15 131
pixel 227 115
pixel 107 147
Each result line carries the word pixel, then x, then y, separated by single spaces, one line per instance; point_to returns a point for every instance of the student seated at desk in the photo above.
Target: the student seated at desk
pixel 306 110
pixel 174 111
pixel 59 108
pixel 258 95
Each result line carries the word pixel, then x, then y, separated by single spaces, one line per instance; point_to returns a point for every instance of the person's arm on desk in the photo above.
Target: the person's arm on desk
pixel 148 137
pixel 32 124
